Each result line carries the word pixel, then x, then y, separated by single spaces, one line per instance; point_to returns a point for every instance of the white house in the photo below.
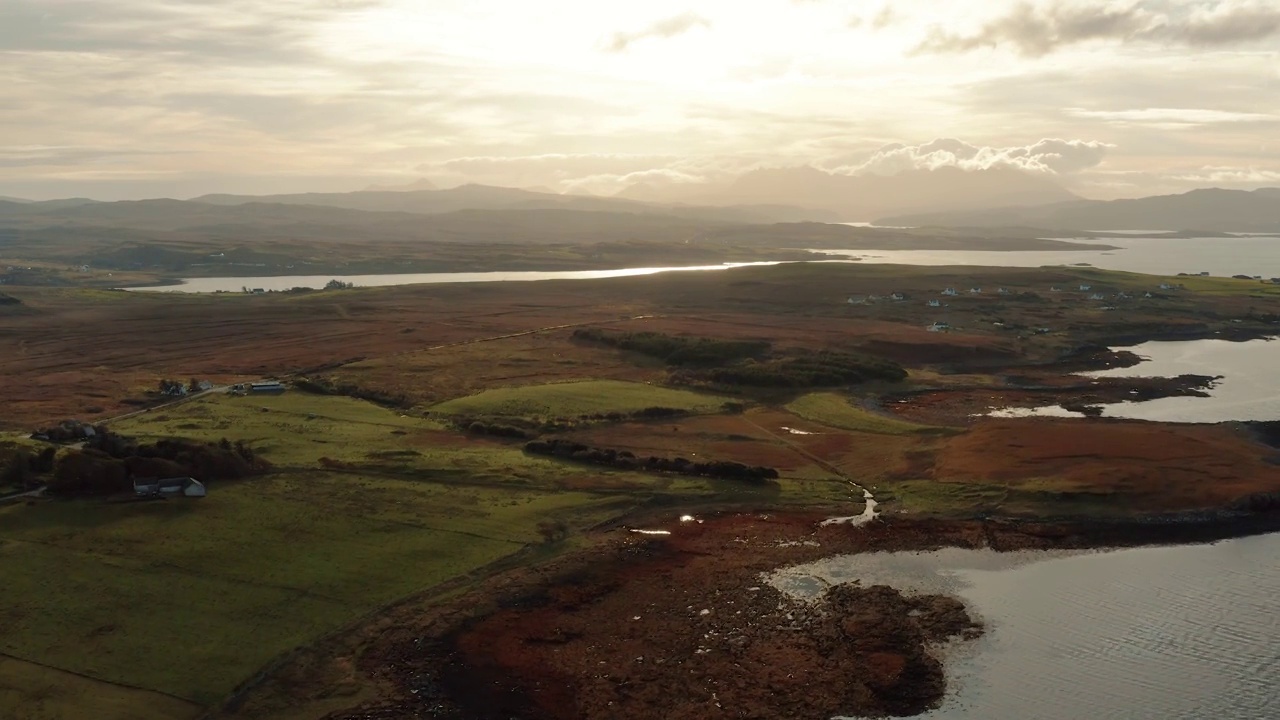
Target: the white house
pixel 1097 296
pixel 938 327
pixel 1085 288
pixel 975 291
pixel 897 297
pixel 169 487
pixel 950 292
pixel 1167 286
pixel 1002 291
pixel 1055 288
pixel 935 303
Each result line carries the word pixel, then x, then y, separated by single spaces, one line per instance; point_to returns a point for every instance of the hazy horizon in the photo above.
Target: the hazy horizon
pixel 171 98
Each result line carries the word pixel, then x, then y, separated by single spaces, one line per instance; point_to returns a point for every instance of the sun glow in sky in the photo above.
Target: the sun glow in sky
pixel 131 98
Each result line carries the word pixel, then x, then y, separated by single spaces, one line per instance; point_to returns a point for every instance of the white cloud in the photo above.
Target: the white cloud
pixel 1051 156
pixel 1036 29
pixel 1178 116
pixel 1230 176
pixel 664 28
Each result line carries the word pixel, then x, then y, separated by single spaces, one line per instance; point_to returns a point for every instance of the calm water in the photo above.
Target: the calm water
pixel 1248 389
pixel 1156 256
pixel 1169 633
pixel 287 282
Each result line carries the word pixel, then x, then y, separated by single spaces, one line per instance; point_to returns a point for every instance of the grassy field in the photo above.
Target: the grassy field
pixel 835 411
pixel 32 692
pixel 573 399
pixel 190 597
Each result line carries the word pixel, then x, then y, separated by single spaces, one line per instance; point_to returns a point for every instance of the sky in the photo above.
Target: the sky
pixel 126 99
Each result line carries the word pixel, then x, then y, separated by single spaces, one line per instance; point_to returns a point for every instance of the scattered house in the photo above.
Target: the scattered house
pixel 856 301
pixel 1203 273
pixel 1147 295
pixel 1002 291
pixel 1167 286
pixel 950 292
pixel 975 291
pixel 204 385
pixel 175 389
pixel 1275 281
pixel 169 487
pixel 84 268
pixel 935 303
pixel 1122 296
pixel 1041 331
pixel 269 387
pixel 938 327
pixel 1085 288
pixel 897 297
pixel 1097 296
pixel 1055 288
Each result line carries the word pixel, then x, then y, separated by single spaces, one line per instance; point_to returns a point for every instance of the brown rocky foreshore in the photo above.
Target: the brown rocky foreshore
pixel 684 626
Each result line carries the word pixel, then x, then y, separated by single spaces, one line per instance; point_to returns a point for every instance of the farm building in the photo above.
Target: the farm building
pixel 169 487
pixel 267 387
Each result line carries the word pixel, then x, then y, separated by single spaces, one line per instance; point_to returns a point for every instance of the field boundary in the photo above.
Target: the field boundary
pixel 195 705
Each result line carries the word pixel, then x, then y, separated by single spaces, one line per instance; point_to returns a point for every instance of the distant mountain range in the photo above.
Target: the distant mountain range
pixel 486 197
pixel 1209 209
pixel 861 198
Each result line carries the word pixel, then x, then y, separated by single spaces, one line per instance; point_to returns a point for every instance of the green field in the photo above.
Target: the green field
pixel 189 597
pixel 835 411
pixel 573 399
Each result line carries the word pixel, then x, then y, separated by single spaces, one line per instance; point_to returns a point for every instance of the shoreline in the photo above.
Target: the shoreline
pixel 509 647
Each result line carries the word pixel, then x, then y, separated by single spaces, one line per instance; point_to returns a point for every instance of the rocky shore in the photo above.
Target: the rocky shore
pixel 683 626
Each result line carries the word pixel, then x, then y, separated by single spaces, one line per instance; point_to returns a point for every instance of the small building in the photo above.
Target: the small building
pixel 1097 296
pixel 1167 286
pixel 975 291
pixel 1147 295
pixel 897 297
pixel 856 300
pixel 1055 288
pixel 269 387
pixel 204 385
pixel 938 327
pixel 1002 291
pixel 169 487
pixel 935 303
pixel 1085 288
pixel 950 292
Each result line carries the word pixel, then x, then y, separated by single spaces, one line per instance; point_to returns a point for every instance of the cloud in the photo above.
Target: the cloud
pixel 1230 176
pixel 665 28
pixel 1034 30
pixel 1171 117
pixel 1050 156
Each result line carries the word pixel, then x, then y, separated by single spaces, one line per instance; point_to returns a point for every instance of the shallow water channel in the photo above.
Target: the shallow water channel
pixel 1166 633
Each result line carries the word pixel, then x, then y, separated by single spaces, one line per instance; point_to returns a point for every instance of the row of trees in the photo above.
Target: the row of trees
pixel 678 351
pixel 626 460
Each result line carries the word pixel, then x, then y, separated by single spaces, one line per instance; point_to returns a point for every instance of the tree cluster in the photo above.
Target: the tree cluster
pixel 324 386
pixel 751 363
pixel 109 463
pixel 678 351
pixel 626 460
pixel 825 368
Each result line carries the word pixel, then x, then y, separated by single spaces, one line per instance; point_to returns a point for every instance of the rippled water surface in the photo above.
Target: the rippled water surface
pixel 1168 633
